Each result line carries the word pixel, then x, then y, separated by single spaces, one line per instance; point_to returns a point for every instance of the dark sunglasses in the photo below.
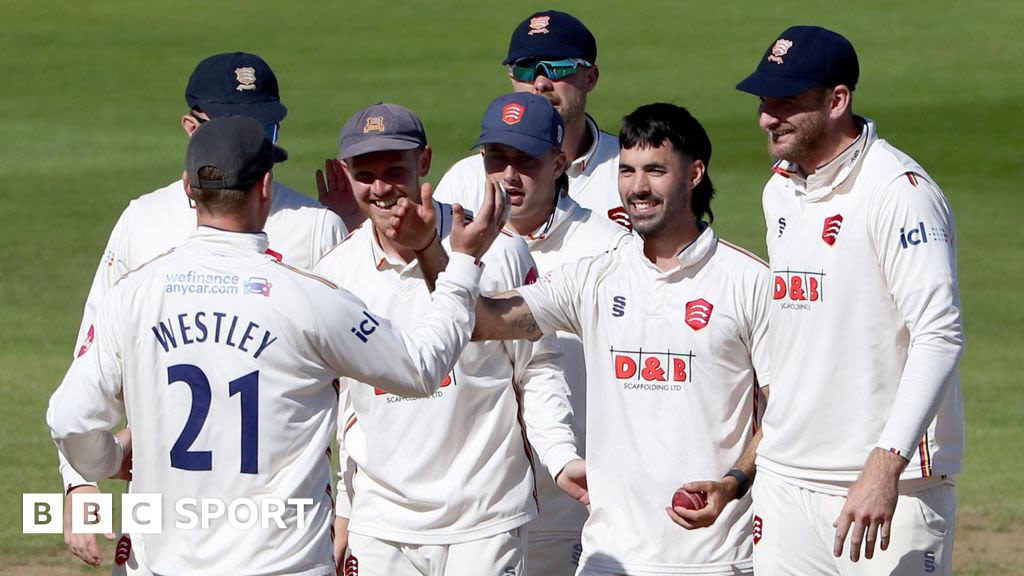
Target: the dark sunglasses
pixel 553 69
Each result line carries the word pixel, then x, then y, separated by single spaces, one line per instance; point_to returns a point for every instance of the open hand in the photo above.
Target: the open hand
pixel 83 546
pixel 335 192
pixel 476 236
pixel 870 505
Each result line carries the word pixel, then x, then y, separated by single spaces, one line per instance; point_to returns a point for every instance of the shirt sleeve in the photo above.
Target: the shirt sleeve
pixel 346 465
pixel 112 266
pixel 555 298
pixel 539 378
pixel 914 236
pixel 332 232
pixel 368 348
pixel 88 402
pixel 760 304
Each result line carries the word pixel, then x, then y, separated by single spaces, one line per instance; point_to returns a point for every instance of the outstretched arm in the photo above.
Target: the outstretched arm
pixel 505 316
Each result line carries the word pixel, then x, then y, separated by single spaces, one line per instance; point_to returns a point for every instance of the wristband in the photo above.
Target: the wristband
pixel 429 244
pixel 742 478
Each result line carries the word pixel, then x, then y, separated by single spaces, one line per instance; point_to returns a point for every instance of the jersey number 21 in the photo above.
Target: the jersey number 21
pixel 246 387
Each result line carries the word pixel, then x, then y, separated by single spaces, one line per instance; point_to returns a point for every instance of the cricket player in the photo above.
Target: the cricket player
pixel 442 485
pixel 554 55
pixel 864 434
pixel 299 228
pixel 224 362
pixel 674 326
pixel 525 158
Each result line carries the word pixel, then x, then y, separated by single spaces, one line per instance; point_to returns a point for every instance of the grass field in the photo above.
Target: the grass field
pixel 93 92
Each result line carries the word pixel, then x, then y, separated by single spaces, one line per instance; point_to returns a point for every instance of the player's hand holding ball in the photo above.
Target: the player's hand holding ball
pixel 689 500
pixel 698 504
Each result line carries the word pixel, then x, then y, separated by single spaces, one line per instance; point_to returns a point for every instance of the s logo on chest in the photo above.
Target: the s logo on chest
pixel 619 306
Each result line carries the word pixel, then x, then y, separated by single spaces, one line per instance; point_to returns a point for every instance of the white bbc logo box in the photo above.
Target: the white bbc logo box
pixel 91 513
pixel 143 513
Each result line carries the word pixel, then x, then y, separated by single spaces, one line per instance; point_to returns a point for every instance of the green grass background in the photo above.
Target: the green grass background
pixel 93 92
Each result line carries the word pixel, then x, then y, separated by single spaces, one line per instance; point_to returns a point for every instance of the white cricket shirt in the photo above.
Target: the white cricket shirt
pixel 454 467
pixel 593 179
pixel 226 360
pixel 672 362
pixel 299 228
pixel 866 323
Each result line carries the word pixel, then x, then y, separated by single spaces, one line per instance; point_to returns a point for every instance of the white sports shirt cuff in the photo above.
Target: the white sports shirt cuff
pixel 464 269
pixel 529 294
pixel 558 456
pixel 70 476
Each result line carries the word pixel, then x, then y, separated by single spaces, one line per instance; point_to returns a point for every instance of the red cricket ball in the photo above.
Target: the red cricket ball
pixel 689 500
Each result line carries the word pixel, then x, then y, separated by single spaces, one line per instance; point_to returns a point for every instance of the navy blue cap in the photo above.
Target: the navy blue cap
pixel 551 35
pixel 524 121
pixel 380 128
pixel 237 146
pixel 236 83
pixel 802 58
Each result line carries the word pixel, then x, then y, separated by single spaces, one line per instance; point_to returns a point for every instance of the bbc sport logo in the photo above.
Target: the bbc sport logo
pixel 144 513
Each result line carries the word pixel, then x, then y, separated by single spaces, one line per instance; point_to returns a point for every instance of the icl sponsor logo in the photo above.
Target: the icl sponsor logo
pixel 914 237
pixel 366 327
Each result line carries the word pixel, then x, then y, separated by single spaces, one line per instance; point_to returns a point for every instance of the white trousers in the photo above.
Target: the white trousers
pixel 500 555
pixel 793 533
pixel 553 553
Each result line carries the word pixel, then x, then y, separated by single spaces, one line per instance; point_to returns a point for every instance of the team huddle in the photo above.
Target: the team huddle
pixel 549 365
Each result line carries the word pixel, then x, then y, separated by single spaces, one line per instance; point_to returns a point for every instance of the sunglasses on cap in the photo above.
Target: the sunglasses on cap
pixel 527 71
pixel 272 130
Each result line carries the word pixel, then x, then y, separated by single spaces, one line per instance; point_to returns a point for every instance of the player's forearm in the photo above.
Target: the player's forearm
pixel 69 475
pixel 432 261
pixel 745 463
pixel 927 377
pixel 97 455
pixel 505 316
pixel 80 414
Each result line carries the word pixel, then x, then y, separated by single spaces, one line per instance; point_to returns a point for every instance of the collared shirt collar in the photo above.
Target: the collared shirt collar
pixel 579 165
pixel 217 239
pixel 831 176
pixel 692 255
pixel 564 208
